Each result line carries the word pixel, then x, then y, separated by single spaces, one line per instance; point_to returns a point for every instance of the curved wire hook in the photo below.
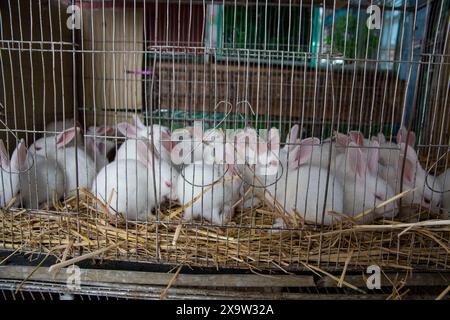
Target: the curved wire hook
pixel 202 185
pixel 215 127
pixel 246 102
pixel 431 168
pixel 183 165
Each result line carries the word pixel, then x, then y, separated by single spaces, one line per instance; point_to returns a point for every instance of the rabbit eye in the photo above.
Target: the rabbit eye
pixel 168 184
pixel 426 200
pixel 378 197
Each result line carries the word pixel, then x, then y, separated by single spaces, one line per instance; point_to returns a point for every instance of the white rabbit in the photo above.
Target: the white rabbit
pixel 363 187
pixel 414 177
pixel 249 163
pixel 403 137
pixel 55 127
pixel 296 184
pixel 161 137
pixel 205 200
pixel 189 146
pixel 302 188
pixel 390 151
pixel 132 187
pixel 259 161
pixel 444 180
pixel 57 148
pixel 9 186
pixel 321 151
pixel 98 145
pixel 161 140
pixel 47 145
pixel 40 179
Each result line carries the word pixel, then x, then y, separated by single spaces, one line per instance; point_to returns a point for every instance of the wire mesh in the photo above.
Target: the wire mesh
pixel 144 80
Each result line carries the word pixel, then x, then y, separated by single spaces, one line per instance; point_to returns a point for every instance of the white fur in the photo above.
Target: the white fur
pixel 215 204
pixel 414 177
pixel 363 187
pixel 41 179
pixel 134 190
pixel 161 137
pixel 98 145
pixel 58 148
pixel 9 179
pixel 444 180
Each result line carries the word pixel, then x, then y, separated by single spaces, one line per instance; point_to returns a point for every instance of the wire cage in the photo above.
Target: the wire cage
pixel 348 100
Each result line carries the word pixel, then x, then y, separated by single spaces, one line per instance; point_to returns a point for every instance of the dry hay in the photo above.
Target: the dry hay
pixel 94 232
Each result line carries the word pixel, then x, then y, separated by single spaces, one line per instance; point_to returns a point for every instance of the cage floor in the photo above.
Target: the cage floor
pixel 41 290
pixel 248 242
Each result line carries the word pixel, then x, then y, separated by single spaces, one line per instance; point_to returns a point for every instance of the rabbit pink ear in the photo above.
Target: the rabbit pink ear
pixel 101 147
pixel 90 147
pixel 373 157
pixel 19 156
pixel 4 156
pixel 355 161
pixel 93 147
pixel 127 130
pixel 137 121
pixel 104 130
pixel 403 137
pixel 411 163
pixel 357 137
pixel 166 140
pixel 145 152
pixel 292 136
pixel 66 137
pixel 302 153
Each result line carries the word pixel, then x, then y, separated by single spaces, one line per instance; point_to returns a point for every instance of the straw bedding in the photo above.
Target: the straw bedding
pixel 93 232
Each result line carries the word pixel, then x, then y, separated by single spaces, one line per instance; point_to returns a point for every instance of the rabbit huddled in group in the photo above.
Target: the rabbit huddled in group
pixel 356 175
pixel 294 183
pixel 390 151
pixel 209 191
pixel 38 179
pixel 79 169
pixel 135 187
pixel 288 178
pixel 189 146
pixel 98 145
pixel 41 179
pixel 444 180
pixel 9 175
pixel 363 187
pixel 56 127
pixel 428 189
pixel 320 156
pixel 159 136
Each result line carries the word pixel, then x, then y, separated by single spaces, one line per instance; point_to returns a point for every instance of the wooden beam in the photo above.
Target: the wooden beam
pixel 162 279
pixel 415 279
